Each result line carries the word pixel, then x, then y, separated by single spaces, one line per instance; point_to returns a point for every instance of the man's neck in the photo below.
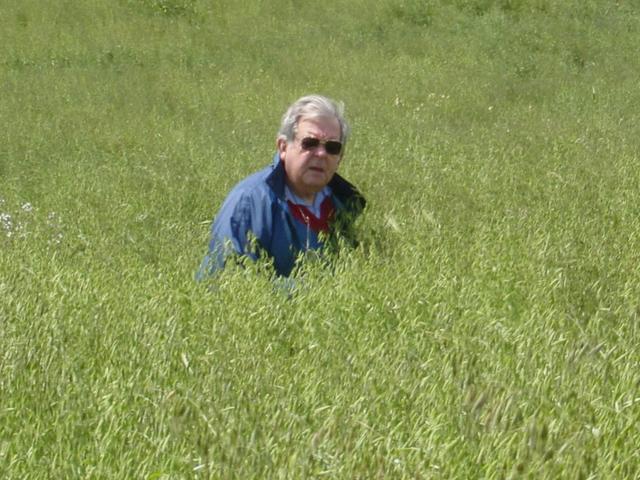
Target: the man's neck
pixel 307 198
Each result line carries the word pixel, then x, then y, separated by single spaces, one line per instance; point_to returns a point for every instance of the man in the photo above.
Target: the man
pixel 295 204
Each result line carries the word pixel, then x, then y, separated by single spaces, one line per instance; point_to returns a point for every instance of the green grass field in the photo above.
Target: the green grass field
pixel 486 326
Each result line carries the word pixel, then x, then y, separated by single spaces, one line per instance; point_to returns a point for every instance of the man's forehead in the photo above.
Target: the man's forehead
pixel 319 126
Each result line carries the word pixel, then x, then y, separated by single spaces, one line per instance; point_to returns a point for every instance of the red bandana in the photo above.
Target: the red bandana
pixel 304 215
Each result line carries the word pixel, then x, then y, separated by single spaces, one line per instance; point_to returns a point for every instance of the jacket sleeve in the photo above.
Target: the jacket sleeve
pixel 239 220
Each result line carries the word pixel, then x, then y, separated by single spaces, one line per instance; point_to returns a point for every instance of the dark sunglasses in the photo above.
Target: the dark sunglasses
pixel 332 147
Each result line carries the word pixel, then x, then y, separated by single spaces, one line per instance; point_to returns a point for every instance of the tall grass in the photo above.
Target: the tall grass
pixel 486 326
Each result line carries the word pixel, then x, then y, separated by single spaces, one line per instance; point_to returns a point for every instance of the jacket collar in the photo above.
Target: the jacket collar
pixel 277 177
pixel 345 192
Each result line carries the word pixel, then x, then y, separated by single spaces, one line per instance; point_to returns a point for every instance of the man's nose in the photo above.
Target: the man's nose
pixel 321 151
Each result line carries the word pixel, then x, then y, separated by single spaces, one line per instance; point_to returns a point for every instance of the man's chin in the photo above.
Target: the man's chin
pixel 316 179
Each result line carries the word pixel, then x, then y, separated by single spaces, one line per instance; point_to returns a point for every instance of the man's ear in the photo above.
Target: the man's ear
pixel 281 145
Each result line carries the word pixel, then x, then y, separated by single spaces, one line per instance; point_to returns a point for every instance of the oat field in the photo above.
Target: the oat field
pixel 485 327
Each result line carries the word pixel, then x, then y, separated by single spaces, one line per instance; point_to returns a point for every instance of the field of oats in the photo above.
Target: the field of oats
pixel 485 327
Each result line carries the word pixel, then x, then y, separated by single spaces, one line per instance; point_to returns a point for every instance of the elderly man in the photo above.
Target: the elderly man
pixel 297 202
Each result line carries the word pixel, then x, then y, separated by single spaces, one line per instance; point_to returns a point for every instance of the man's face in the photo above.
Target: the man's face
pixel 309 170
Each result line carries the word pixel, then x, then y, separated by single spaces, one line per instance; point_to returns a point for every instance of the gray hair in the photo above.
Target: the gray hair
pixel 312 106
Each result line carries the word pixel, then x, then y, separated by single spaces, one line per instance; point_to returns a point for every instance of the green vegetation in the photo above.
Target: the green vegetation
pixel 487 326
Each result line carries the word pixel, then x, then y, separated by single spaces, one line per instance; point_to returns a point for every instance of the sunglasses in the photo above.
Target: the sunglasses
pixel 332 147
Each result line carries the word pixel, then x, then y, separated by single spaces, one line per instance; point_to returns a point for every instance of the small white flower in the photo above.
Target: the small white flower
pixel 6 221
pixel 56 239
pixel 595 431
pixel 27 207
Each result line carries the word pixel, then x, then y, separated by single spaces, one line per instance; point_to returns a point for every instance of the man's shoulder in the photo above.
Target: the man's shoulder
pixel 249 200
pixel 255 185
pixel 348 196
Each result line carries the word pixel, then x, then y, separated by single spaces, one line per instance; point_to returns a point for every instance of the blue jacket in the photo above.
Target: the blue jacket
pixel 256 207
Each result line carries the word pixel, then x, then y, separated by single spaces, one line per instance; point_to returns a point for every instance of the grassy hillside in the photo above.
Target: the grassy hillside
pixel 485 328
